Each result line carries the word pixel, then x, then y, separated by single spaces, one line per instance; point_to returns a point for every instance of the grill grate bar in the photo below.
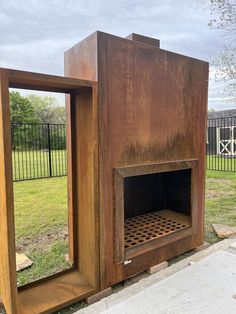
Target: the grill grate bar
pixel 143 228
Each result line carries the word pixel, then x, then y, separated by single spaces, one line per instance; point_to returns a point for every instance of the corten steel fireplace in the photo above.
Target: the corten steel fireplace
pixel 136 120
pixel 149 149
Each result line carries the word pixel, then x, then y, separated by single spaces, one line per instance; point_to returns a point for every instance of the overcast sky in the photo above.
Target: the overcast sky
pixel 34 34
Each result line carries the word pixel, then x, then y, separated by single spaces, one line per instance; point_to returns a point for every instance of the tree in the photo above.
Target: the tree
pixel 224 18
pixel 26 111
pixel 60 114
pixel 22 110
pixel 47 109
pixel 225 65
pixel 225 12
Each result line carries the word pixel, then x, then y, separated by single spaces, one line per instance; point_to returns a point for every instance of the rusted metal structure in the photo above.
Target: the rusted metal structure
pixel 136 120
pixel 151 117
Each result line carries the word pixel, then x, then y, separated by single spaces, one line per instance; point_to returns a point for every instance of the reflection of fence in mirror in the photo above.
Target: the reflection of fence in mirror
pixel 64 287
pixel 40 206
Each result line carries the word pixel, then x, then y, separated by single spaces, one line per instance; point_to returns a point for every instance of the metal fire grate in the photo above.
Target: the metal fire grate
pixel 144 228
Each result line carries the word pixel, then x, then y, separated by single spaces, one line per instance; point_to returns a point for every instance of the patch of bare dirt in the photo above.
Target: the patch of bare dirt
pixel 42 241
pixel 219 191
pixel 220 181
pixel 215 194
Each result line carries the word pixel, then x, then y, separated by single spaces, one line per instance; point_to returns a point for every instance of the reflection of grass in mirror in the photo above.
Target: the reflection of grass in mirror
pixel 41 215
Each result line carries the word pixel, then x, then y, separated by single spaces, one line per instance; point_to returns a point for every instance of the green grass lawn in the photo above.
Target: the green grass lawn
pixel 41 226
pixel 220 206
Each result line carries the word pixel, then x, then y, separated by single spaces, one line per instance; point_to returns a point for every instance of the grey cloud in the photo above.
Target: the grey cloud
pixel 34 34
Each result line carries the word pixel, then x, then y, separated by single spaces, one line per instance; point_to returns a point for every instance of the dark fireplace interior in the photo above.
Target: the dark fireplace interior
pixel 156 205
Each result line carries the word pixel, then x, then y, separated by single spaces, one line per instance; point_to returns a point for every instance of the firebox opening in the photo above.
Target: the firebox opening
pixel 156 205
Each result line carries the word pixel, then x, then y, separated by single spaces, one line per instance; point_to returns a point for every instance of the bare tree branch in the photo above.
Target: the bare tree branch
pixel 225 12
pixel 224 18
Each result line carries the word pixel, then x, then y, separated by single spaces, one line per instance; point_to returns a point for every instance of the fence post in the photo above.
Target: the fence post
pixel 49 151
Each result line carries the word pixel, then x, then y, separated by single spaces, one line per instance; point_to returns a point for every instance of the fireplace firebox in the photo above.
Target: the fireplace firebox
pixel 156 205
pixel 157 191
pixel 153 205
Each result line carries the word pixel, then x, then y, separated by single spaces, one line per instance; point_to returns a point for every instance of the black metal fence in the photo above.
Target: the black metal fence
pixel 38 151
pixel 221 144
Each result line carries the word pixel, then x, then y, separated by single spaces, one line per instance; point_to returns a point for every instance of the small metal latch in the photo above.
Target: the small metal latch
pixel 127 262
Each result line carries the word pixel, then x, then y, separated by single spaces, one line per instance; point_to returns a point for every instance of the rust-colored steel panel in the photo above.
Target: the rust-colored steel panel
pixel 152 108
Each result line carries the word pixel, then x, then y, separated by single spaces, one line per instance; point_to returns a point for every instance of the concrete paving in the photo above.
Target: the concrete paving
pixel 208 286
pixel 203 283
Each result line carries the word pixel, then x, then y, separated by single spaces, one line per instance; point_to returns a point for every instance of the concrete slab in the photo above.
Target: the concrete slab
pixel 124 294
pixel 208 286
pixel 233 245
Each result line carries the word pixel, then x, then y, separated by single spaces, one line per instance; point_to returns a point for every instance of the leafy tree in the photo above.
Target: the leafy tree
pixel 224 18
pixel 22 110
pixel 47 109
pixel 60 115
pixel 26 111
